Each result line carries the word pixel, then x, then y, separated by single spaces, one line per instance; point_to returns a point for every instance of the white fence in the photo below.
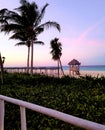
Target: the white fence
pixel 47 111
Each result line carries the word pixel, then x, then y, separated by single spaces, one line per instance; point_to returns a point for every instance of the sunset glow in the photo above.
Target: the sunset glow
pixel 82 33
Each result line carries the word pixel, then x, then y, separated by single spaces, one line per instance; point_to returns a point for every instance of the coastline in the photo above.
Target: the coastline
pixel 92 73
pixel 88 73
pixel 52 71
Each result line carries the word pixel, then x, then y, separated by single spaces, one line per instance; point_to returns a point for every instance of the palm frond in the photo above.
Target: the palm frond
pixel 39 30
pixel 16 18
pixel 50 24
pixel 10 27
pixel 39 42
pixel 3 11
pixel 23 2
pixel 3 15
pixel 28 11
pixel 20 43
pixel 41 15
pixel 19 36
pixel 56 49
pixel 26 43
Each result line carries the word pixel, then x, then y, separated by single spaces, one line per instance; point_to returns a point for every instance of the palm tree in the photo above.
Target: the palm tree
pixel 27 20
pixel 56 52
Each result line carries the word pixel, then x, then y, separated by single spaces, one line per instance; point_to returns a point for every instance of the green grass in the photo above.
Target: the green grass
pixel 83 97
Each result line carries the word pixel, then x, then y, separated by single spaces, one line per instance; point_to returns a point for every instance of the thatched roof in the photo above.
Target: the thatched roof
pixel 74 62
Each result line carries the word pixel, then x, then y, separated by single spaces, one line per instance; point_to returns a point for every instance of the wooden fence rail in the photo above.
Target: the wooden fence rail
pixel 42 70
pixel 88 125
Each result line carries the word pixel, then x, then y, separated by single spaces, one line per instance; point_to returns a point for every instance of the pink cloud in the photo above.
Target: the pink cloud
pixel 90 29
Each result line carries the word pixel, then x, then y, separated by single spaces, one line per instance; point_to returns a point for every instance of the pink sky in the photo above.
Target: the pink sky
pixel 82 34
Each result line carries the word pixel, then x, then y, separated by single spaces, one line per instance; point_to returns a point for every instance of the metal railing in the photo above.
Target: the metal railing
pixel 89 125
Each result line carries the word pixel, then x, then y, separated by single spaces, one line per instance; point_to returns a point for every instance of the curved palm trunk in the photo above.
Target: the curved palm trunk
pixel 61 67
pixel 58 68
pixel 28 58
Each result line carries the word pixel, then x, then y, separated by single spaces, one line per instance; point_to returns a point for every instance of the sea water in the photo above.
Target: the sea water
pixel 89 68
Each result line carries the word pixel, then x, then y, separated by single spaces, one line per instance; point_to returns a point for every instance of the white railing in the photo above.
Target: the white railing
pixel 47 111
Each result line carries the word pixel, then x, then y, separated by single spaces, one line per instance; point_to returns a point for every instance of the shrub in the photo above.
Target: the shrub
pixel 83 97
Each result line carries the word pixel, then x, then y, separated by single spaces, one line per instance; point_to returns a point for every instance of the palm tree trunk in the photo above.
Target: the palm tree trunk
pixel 58 68
pixel 61 67
pixel 28 58
pixel 32 49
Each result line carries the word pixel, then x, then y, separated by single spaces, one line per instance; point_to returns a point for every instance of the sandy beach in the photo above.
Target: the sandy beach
pixel 89 73
pixel 92 73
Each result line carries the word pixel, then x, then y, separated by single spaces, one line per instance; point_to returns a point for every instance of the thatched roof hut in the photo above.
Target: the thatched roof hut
pixel 74 62
pixel 74 67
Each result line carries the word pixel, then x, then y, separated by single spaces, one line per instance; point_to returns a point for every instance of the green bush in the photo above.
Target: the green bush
pixel 83 97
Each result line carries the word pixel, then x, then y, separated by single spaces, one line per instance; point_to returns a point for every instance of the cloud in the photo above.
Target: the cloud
pixel 90 29
pixel 82 37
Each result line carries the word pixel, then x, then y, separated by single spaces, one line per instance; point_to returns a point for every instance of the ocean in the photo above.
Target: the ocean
pixel 82 68
pixel 89 68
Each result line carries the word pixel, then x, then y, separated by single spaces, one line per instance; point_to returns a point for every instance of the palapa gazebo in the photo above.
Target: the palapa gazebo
pixel 74 67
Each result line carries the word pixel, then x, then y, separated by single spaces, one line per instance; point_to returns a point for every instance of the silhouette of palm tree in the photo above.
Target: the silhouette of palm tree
pixel 27 21
pixel 56 51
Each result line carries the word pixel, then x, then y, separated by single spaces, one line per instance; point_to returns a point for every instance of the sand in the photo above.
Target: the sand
pixel 82 73
pixel 93 73
pixel 89 73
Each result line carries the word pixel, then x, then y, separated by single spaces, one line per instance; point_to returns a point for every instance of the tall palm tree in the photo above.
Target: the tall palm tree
pixel 56 51
pixel 27 20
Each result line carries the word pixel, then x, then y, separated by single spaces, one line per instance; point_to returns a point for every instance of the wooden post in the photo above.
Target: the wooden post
pixel 1 67
pixel 1 114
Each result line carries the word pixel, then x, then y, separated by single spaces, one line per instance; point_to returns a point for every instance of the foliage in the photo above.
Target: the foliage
pixel 83 97
pixel 56 51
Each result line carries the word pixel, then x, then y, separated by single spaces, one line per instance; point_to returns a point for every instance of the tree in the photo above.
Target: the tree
pixel 56 51
pixel 28 20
